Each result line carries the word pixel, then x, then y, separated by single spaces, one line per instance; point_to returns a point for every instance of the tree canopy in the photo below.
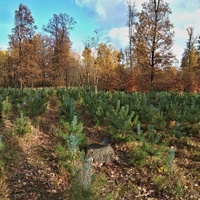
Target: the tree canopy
pixel 47 59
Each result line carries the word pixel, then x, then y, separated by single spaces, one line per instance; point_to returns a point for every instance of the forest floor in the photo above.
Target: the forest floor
pixel 33 170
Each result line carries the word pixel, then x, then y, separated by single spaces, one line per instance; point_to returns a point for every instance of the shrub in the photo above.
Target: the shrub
pixel 22 125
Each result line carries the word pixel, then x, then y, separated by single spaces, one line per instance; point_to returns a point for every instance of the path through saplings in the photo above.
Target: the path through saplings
pixel 34 171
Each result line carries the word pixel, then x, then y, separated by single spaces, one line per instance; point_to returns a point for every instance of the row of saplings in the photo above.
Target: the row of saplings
pixel 147 149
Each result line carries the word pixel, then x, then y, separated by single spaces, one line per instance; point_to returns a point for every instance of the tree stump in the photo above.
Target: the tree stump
pixel 99 154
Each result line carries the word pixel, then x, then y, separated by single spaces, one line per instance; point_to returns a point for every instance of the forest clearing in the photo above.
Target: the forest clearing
pixel 45 134
pixel 102 122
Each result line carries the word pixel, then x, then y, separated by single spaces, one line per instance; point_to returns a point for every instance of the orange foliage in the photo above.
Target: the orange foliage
pixel 133 80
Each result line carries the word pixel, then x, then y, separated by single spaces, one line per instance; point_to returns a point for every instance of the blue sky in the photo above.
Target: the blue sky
pixel 108 17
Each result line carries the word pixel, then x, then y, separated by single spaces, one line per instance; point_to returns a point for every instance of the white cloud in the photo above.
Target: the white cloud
pixel 3 47
pixel 180 33
pixel 111 16
pixel 188 18
pixel 83 3
pixel 119 37
pixel 100 9
pixel 108 13
pixel 178 51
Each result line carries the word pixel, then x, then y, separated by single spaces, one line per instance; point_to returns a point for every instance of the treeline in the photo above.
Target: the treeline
pixel 47 59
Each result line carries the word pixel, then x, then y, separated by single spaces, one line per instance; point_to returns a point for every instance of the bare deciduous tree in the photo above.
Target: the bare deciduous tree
pixel 132 15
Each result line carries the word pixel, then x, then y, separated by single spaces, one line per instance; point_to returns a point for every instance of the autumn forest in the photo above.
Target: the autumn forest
pixel 47 59
pixel 104 123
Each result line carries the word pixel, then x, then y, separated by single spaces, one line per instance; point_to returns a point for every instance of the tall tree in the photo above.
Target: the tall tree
pixel 132 15
pixel 88 62
pixel 189 63
pixel 4 67
pixel 75 70
pixel 198 49
pixel 45 52
pixel 190 55
pixel 59 28
pixel 154 37
pixel 22 47
pixel 91 45
pixel 107 62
